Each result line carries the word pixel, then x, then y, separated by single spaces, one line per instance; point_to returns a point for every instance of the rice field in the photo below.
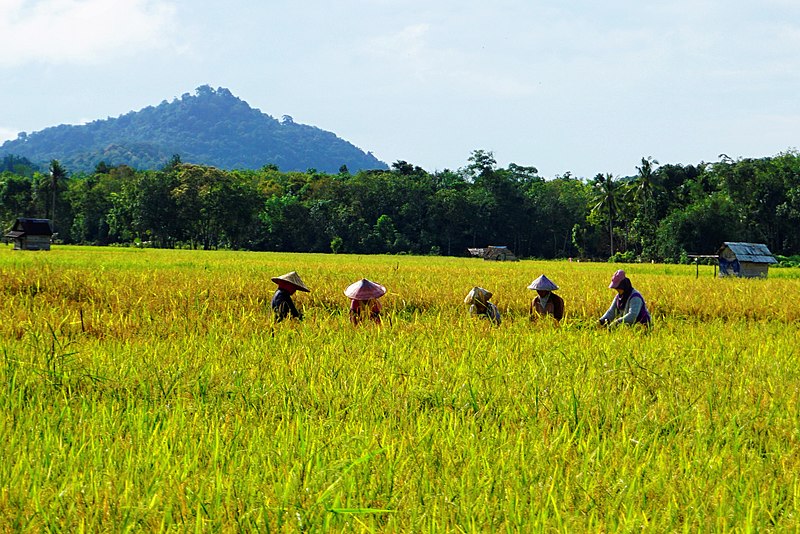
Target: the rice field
pixel 151 390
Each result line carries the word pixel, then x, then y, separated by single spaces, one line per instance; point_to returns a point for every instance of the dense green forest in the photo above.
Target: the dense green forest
pixel 661 213
pixel 211 127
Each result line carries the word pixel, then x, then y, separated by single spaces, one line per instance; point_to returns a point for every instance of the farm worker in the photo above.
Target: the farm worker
pixel 479 305
pixel 546 302
pixel 628 306
pixel 282 303
pixel 364 297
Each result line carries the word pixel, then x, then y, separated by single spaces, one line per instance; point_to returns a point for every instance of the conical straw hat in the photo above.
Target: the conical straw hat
pixel 543 284
pixel 477 294
pixel 289 280
pixel 364 290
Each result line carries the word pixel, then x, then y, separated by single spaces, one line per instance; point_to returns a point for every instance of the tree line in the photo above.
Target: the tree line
pixel 662 213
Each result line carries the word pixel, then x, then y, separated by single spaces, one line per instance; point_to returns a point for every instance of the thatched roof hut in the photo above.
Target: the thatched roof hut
pixel 494 253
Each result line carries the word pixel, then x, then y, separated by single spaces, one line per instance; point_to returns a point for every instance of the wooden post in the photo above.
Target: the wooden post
pixel 697 258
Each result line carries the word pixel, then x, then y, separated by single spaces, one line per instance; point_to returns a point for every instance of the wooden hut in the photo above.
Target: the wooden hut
pixel 494 253
pixel 747 260
pixel 30 234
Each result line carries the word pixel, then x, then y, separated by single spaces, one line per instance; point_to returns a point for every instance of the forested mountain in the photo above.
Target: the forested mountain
pixel 211 127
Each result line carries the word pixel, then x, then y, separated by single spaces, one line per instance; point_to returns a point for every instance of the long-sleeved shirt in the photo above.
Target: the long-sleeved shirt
pixel 550 304
pixel 361 307
pixel 489 312
pixel 634 311
pixel 282 305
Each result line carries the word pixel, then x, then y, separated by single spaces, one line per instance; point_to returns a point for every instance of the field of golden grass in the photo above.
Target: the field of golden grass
pixel 151 389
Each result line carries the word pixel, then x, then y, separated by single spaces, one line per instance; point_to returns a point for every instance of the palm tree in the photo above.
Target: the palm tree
pixel 641 194
pixel 606 198
pixel 644 183
pixel 57 174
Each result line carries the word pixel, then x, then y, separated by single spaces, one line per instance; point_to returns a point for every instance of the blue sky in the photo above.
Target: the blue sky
pixel 584 87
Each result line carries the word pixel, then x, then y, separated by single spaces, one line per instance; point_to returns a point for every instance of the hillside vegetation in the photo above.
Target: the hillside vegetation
pixel 211 127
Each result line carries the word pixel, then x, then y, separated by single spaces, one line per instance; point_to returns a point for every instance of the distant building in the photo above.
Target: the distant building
pixel 493 253
pixel 747 260
pixel 30 234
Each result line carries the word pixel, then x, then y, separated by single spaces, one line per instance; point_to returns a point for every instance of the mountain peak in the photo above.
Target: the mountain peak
pixel 212 127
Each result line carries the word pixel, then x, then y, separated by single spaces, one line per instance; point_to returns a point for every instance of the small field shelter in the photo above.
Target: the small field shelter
pixel 747 260
pixel 30 234
pixel 494 253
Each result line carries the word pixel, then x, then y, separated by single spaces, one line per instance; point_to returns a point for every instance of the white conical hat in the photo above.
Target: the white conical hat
pixel 291 278
pixel 543 284
pixel 364 290
pixel 478 294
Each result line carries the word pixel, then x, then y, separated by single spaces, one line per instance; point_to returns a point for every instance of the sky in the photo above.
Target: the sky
pixel 584 87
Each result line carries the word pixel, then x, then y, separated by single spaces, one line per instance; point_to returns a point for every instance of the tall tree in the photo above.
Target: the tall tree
pixel 57 175
pixel 606 200
pixel 16 198
pixel 481 165
pixel 642 192
pixel 645 181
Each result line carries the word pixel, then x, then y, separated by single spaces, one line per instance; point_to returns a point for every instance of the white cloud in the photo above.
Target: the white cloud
pixel 412 55
pixel 7 134
pixel 80 31
pixel 406 48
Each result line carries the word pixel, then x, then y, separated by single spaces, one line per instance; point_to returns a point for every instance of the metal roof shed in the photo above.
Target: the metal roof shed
pixel 747 260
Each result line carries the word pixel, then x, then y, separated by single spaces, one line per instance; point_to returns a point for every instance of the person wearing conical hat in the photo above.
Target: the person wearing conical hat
pixel 364 296
pixel 479 305
pixel 546 302
pixel 628 306
pixel 282 303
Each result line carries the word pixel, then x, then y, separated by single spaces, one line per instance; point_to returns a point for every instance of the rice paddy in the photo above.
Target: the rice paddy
pixel 151 390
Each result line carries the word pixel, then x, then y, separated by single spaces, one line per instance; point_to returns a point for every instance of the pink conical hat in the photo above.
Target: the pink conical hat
pixel 364 290
pixel 543 284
